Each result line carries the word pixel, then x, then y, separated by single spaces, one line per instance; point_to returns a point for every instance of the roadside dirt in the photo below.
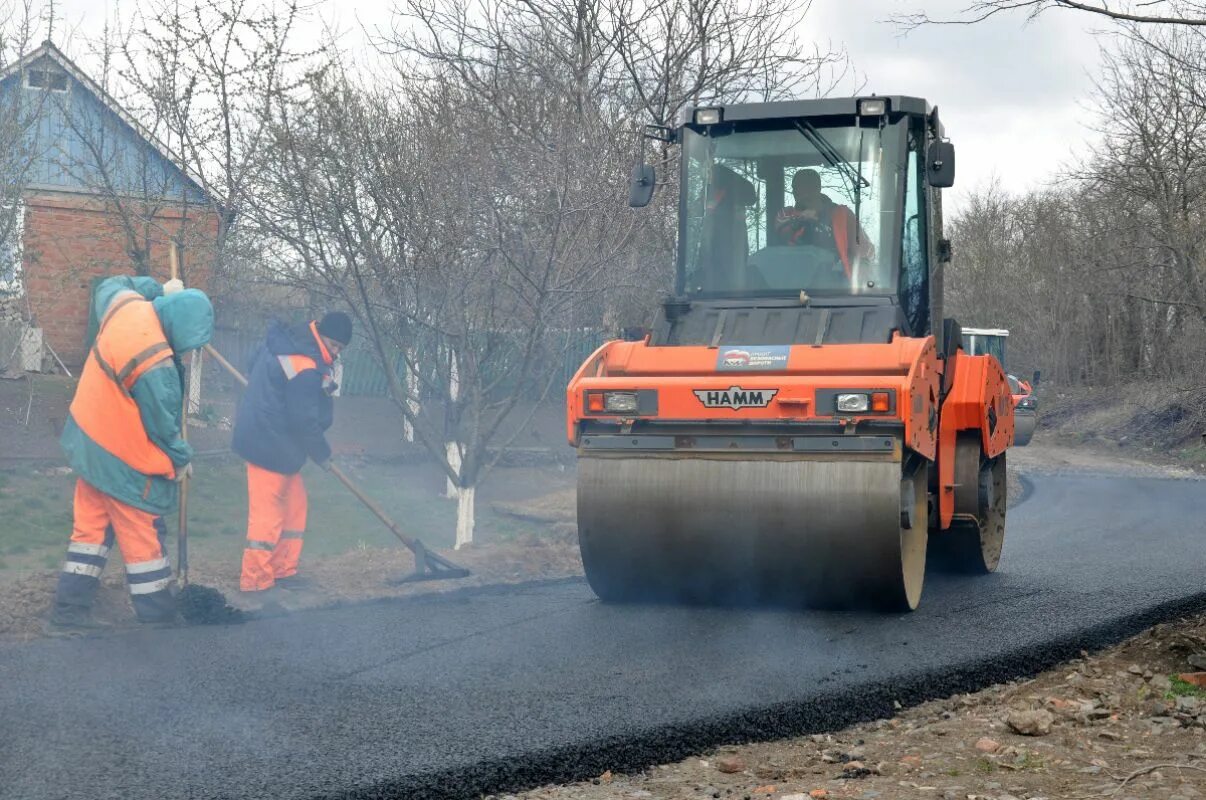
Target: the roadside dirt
pixel 1045 454
pixel 1155 420
pixel 351 577
pixel 1119 724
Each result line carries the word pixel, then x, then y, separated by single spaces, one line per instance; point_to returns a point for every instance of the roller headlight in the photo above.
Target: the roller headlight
pixel 853 403
pixel 620 402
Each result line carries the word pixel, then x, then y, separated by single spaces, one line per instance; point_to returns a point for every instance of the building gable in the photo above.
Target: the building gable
pixel 79 140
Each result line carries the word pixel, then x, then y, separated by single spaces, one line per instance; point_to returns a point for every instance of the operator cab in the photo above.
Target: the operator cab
pixel 822 201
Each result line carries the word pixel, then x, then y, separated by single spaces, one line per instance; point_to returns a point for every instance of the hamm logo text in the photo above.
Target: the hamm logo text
pixel 735 397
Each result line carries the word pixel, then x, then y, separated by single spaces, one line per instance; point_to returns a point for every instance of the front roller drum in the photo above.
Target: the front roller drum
pixel 699 529
pixel 976 537
pixel 1024 425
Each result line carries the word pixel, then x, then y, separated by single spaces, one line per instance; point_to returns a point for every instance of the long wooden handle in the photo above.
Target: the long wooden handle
pixel 372 506
pixel 182 520
pixel 226 365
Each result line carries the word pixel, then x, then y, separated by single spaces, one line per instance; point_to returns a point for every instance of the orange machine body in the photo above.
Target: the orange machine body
pixel 684 384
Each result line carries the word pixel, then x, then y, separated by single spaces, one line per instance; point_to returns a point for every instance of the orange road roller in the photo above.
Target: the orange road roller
pixel 800 423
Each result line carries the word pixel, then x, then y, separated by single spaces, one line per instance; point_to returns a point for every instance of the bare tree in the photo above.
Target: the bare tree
pixel 205 73
pixel 1103 273
pixel 127 179
pixel 469 208
pixel 20 147
pixel 1151 12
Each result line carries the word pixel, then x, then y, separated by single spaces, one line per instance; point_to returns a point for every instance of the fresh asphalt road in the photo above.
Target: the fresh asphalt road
pixel 485 690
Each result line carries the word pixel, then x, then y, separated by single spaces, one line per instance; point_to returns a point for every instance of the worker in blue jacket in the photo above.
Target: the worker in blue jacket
pixel 281 422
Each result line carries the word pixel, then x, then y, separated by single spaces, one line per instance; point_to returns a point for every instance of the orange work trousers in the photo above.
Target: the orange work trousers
pixel 99 521
pixel 276 522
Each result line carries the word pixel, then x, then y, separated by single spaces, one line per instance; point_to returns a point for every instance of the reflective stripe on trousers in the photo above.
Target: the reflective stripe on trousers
pixel 99 521
pixel 276 521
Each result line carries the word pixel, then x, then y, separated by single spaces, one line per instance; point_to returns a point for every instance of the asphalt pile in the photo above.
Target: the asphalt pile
pixel 203 605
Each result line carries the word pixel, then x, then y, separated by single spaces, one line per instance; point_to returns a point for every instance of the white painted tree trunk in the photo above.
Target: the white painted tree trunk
pixel 453 451
pixel 464 517
pixel 412 396
pixel 451 447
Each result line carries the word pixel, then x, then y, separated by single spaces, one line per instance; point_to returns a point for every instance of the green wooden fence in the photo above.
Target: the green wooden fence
pixel 363 377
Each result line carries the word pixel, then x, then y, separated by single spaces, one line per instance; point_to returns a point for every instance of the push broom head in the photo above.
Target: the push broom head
pixel 203 605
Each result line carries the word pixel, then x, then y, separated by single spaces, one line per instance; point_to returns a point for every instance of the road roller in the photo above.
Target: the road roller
pixel 799 423
pixel 978 341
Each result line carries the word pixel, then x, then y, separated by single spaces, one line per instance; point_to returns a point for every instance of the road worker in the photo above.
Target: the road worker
pixel 123 439
pixel 818 221
pixel 281 421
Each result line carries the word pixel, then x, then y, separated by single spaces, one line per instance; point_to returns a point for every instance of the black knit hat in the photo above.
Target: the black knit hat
pixel 338 326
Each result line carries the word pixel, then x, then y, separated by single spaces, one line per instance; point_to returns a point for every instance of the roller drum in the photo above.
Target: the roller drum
pixel 724 529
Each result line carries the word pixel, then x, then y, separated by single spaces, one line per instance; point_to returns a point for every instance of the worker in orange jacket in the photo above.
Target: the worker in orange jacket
pixel 123 439
pixel 818 221
pixel 281 422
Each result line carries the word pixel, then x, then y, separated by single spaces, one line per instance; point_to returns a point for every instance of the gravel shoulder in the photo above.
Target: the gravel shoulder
pixel 1047 455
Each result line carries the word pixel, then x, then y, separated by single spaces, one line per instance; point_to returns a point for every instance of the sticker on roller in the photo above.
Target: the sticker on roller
pixel 736 398
pixel 740 358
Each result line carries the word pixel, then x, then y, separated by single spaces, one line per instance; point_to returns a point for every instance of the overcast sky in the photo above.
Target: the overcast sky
pixel 1013 95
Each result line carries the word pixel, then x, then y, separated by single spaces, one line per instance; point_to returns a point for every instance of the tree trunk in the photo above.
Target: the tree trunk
pixel 453 451
pixel 412 393
pixel 464 516
pixel 451 428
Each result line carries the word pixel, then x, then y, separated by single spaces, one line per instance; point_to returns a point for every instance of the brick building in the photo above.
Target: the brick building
pixel 99 195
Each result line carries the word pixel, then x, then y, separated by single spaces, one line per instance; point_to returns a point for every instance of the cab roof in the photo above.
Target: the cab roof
pixel 823 107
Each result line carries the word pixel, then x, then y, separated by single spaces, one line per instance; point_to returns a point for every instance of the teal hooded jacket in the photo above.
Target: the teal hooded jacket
pixel 187 318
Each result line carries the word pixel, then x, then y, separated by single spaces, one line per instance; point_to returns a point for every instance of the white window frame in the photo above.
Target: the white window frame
pixel 11 274
pixel 50 74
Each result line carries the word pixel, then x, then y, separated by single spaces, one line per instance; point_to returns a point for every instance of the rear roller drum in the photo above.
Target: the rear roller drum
pixel 977 534
pixel 833 533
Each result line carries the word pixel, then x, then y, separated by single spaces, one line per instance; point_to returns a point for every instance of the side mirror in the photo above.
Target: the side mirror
pixel 1034 383
pixel 640 190
pixel 940 165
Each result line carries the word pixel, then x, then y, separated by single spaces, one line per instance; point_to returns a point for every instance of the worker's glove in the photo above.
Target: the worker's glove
pixel 184 473
pixel 173 286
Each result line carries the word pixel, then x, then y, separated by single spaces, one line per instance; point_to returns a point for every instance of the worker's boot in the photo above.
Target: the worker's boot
pixel 273 600
pixel 72 620
pixel 296 582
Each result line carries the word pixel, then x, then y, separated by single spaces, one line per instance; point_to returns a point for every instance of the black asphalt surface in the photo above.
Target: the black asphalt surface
pixel 494 689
